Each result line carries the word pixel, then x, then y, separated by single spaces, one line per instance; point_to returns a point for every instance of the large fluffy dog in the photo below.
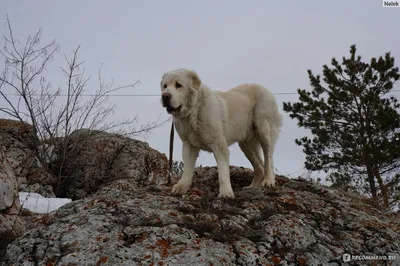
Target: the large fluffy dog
pixel 213 120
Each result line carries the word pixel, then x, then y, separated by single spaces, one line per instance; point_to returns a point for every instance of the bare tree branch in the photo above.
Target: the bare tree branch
pixel 32 99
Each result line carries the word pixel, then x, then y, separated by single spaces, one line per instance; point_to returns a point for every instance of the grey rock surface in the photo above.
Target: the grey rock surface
pixel 19 170
pixel 16 140
pixel 104 157
pixel 123 214
pixel 11 224
pixel 298 223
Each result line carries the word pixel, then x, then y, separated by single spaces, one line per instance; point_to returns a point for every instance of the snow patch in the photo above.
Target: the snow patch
pixel 39 204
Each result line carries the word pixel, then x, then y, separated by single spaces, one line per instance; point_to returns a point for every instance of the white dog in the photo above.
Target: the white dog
pixel 213 120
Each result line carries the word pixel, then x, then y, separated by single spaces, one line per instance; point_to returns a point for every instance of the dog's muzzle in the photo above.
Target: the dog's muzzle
pixel 166 100
pixel 171 109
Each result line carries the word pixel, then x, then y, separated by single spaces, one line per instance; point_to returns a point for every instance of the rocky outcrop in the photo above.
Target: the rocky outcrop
pixel 123 214
pixel 101 158
pixel 16 140
pixel 11 224
pixel 298 223
pixel 19 170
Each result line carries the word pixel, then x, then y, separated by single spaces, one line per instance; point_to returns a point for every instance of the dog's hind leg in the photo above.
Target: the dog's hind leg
pixel 269 178
pixel 252 150
pixel 267 137
pixel 267 122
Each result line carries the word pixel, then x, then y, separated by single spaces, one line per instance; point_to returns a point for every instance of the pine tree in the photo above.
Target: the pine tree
pixel 355 125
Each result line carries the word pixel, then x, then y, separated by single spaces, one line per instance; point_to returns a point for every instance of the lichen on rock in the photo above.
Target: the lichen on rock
pixel 298 223
pixel 124 214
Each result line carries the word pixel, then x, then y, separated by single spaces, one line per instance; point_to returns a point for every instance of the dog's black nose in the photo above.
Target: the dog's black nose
pixel 166 97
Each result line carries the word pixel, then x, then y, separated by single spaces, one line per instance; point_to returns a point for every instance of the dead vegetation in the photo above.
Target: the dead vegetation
pixel 54 111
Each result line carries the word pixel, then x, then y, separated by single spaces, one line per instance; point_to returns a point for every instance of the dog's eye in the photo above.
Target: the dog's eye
pixel 165 86
pixel 177 85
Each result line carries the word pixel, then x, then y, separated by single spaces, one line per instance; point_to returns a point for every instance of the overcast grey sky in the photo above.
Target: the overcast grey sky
pixel 228 42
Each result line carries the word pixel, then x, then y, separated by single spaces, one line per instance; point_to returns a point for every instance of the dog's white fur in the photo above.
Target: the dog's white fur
pixel 213 120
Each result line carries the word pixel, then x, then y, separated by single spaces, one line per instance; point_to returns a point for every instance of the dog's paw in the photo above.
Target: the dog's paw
pixel 268 183
pixel 226 193
pixel 180 188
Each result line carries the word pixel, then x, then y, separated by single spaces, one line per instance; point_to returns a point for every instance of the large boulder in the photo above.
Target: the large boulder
pixel 97 158
pixel 16 141
pixel 298 223
pixel 12 225
pixel 20 170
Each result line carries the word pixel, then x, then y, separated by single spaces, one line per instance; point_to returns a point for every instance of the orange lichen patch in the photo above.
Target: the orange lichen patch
pixel 172 214
pixel 177 251
pixel 165 247
pixel 281 180
pixel 50 262
pixel 301 262
pixel 102 260
pixel 197 192
pixel 142 237
pixel 259 205
pixel 276 259
pixel 285 200
pixel 160 263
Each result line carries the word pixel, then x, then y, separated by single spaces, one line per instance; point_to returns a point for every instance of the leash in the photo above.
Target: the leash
pixel 171 149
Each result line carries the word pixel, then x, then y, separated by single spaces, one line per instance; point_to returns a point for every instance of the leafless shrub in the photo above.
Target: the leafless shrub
pixel 29 97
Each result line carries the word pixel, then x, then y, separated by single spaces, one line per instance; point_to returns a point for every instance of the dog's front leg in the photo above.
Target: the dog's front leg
pixel 189 154
pixel 221 154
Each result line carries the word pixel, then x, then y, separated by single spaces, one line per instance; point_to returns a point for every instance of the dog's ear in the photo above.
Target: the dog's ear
pixel 195 79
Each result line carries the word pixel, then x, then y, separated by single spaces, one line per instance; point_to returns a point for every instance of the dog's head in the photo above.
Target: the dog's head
pixel 178 91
